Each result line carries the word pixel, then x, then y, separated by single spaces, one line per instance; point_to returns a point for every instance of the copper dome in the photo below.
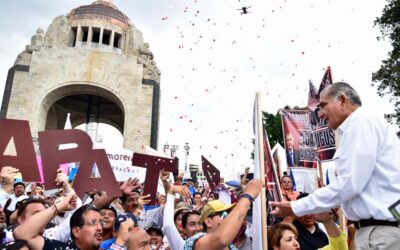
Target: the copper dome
pixel 100 9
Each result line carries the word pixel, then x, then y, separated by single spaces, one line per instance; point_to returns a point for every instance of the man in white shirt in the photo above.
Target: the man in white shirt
pixel 19 195
pixel 368 168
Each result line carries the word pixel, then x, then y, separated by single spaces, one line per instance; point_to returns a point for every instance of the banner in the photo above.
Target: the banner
pixel 298 136
pixel 121 163
pixel 323 136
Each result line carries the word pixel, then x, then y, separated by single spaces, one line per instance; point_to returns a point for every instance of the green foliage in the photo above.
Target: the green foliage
pixel 388 76
pixel 273 124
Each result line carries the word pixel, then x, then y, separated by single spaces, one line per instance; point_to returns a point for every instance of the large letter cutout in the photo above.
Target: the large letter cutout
pixel 106 182
pixel 25 160
pixel 154 165
pixel 211 173
pixel 52 157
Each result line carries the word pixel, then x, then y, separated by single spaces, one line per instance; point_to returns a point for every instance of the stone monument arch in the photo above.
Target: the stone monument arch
pixel 92 63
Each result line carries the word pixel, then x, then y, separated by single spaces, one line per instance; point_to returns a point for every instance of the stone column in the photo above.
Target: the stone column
pixel 112 39
pixel 78 36
pixel 90 36
pixel 101 37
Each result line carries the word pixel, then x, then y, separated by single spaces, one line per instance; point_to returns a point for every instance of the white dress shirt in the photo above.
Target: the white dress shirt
pixel 368 167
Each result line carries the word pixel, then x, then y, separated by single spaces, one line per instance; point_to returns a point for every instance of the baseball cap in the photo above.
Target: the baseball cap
pixel 213 207
pixel 154 227
pixel 19 183
pixel 122 217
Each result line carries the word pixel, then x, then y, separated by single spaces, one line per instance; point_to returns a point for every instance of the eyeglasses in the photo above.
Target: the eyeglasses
pixel 94 222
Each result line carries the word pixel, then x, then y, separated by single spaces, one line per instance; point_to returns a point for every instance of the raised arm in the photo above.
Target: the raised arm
pixel 31 228
pixel 174 238
pixel 126 189
pixel 226 232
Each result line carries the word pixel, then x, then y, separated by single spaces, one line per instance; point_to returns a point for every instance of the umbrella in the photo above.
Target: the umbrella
pixel 233 183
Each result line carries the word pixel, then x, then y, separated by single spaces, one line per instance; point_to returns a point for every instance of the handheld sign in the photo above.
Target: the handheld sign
pixel 25 158
pixel 84 153
pixel 153 164
pixel 212 173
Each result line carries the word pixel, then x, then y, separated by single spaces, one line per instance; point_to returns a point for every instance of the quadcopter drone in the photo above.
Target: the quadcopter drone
pixel 244 10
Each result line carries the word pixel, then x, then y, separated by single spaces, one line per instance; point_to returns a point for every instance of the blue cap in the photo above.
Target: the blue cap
pixel 122 217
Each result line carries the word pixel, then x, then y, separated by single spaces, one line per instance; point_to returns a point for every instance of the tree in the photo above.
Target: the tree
pixel 273 124
pixel 388 76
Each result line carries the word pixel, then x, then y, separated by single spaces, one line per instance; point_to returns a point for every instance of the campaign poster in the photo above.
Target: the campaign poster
pixel 301 150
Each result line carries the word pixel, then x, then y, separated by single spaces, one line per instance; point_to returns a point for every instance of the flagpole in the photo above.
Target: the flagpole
pixel 262 171
pixel 274 170
pixel 321 174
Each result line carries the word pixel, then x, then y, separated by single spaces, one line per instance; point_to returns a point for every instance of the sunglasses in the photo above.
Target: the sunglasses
pixel 223 214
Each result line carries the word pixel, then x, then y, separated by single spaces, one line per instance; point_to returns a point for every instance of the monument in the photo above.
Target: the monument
pixel 94 64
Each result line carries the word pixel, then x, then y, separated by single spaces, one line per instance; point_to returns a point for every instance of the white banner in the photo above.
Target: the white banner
pixel 121 163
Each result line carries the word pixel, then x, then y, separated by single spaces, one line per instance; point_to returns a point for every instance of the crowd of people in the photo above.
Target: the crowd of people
pixel 187 216
pixel 192 216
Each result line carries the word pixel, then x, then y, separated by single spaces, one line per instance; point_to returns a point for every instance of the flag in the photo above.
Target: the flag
pixel 327 177
pixel 326 80
pixel 292 177
pixel 68 124
pixel 69 168
pixel 313 97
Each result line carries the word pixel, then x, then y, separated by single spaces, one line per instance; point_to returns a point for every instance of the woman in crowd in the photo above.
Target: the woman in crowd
pixel 283 236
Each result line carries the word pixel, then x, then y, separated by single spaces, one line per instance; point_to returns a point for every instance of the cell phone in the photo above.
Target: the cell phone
pixel 395 210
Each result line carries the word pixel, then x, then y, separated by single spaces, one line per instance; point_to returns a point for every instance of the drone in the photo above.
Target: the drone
pixel 244 10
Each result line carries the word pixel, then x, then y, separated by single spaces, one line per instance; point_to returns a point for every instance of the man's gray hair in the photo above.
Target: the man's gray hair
pixel 342 88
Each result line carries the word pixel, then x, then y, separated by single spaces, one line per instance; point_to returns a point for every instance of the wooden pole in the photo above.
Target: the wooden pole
pixel 321 174
pixel 262 171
